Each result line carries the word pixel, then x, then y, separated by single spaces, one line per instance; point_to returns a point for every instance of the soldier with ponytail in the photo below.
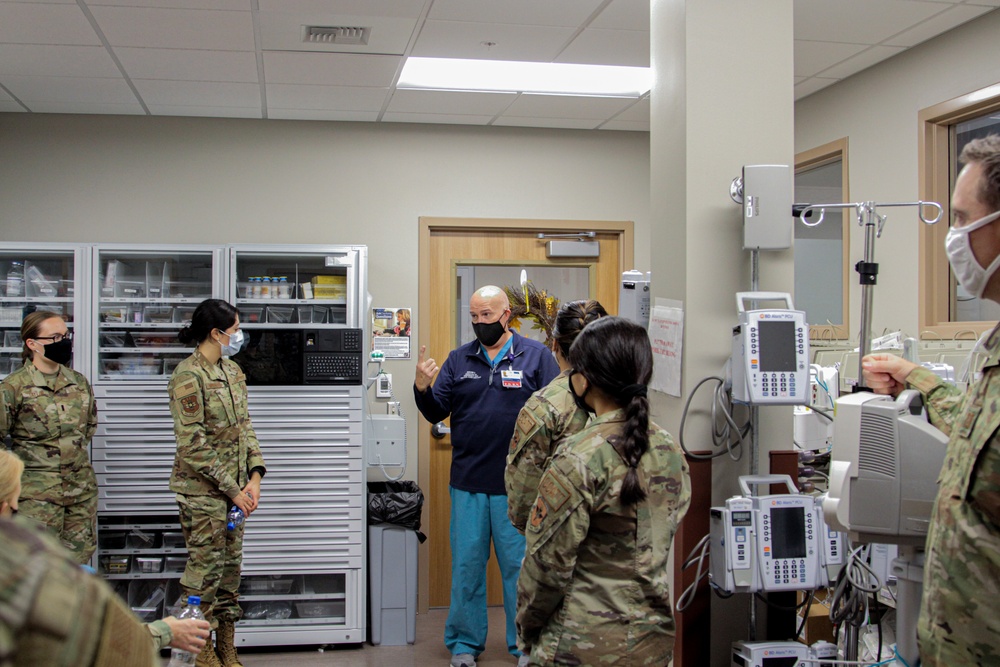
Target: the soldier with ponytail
pixel 594 583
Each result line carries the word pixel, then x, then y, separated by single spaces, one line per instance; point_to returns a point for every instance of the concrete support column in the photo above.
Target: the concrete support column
pixel 722 98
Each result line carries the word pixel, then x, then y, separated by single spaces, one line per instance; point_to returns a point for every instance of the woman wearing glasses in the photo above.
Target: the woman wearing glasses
pixel 48 409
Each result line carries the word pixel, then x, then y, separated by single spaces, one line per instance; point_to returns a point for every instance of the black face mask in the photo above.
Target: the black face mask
pixel 60 352
pixel 578 398
pixel 488 334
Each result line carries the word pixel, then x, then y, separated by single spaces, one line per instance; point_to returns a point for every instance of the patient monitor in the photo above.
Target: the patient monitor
pixel 884 466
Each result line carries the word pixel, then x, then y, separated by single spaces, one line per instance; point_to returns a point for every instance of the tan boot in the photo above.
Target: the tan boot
pixel 225 636
pixel 207 657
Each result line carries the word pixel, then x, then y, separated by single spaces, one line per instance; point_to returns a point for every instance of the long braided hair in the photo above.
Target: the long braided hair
pixel 572 317
pixel 615 356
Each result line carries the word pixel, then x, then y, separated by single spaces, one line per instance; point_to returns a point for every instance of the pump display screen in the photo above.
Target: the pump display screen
pixel 788 532
pixel 777 346
pixel 789 661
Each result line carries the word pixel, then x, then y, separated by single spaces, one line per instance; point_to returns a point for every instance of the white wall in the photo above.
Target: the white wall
pixel 189 180
pixel 877 110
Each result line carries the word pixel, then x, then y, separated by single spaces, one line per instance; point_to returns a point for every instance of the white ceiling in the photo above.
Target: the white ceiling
pixel 246 59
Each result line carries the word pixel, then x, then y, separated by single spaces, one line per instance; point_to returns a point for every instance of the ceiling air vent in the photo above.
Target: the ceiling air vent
pixel 315 34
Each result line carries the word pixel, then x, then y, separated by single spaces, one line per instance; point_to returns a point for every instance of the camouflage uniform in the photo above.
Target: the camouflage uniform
pixel 960 611
pixel 546 420
pixel 51 419
pixel 54 613
pixel 594 585
pixel 216 451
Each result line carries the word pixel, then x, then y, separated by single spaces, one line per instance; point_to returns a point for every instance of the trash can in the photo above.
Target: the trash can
pixel 392 556
pixel 393 535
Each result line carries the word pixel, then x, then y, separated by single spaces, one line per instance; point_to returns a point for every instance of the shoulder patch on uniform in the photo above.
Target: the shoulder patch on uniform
pixel 525 422
pixel 190 404
pixel 554 490
pixel 538 514
pixel 186 387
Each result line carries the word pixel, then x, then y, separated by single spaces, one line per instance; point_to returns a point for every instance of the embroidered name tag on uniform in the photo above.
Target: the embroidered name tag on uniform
pixel 511 379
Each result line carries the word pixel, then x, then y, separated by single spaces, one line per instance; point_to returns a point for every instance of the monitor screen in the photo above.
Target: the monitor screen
pixel 777 346
pixel 788 532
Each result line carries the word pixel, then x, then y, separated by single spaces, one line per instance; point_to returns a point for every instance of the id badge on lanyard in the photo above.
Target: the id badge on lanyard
pixel 510 379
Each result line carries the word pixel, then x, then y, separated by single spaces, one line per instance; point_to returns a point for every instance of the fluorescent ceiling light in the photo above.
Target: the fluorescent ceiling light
pixel 524 77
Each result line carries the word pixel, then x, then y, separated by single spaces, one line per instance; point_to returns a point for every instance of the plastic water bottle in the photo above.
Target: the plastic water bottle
pixel 235 518
pixel 179 658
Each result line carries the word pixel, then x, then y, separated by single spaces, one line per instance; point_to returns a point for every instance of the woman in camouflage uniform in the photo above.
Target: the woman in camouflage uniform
pixel 218 465
pixel 549 417
pixel 48 409
pixel 594 586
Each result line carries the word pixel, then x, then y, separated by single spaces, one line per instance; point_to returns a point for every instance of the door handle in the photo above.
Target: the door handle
pixel 439 430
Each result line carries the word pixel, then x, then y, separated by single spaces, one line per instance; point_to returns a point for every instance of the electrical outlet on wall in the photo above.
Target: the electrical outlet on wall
pixel 383 386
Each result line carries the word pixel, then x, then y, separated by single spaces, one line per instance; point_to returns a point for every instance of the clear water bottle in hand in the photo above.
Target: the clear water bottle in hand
pixel 179 658
pixel 235 518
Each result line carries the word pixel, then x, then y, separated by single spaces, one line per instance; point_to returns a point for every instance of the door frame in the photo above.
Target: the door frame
pixel 625 229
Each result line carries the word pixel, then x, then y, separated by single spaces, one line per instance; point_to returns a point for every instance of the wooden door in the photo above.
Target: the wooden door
pixel 446 243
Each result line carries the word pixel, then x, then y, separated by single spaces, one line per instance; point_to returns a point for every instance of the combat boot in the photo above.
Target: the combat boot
pixel 207 657
pixel 225 636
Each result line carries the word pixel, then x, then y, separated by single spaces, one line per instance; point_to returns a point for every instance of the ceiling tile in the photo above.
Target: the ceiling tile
pixel 231 5
pixel 565 106
pixel 34 89
pixel 637 112
pixel 564 123
pixel 198 93
pixel 29 23
pixel 943 22
pixel 282 31
pixel 522 12
pixel 437 118
pixel 444 102
pixel 338 98
pixel 97 108
pixel 51 60
pixel 330 69
pixel 396 8
pixel 624 15
pixel 188 65
pixel 325 114
pixel 814 57
pixel 608 47
pixel 810 86
pixel 204 111
pixel 176 28
pixel 984 3
pixel 625 125
pixel 453 39
pixel 858 21
pixel 863 60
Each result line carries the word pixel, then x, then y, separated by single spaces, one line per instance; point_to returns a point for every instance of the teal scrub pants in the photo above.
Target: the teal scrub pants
pixel 475 519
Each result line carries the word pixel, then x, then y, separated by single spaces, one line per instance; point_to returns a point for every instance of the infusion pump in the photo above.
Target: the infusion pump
pixel 783 654
pixel 772 542
pixel 770 362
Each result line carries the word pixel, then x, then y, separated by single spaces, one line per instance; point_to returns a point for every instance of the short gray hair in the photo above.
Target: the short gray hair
pixel 986 152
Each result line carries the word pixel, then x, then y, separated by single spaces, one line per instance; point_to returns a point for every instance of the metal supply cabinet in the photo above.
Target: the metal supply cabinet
pixel 304 558
pixel 43 276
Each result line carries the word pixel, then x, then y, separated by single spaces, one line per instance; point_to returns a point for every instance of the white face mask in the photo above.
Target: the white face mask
pixel 235 343
pixel 970 275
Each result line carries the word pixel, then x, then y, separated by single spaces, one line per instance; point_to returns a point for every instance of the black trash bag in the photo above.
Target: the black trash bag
pixel 396 503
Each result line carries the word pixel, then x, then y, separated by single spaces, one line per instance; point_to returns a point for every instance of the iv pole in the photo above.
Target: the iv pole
pixel 867 268
pixel 909 566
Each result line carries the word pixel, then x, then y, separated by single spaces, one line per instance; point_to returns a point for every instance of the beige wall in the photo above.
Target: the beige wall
pixel 877 110
pixel 188 180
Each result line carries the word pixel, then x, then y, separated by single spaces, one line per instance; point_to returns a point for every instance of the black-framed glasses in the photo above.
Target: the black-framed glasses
pixel 56 338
